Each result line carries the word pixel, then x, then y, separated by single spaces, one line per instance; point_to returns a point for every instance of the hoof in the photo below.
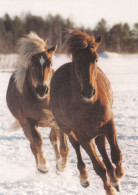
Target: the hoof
pixel 110 191
pixel 85 183
pixel 58 172
pixel 119 171
pixel 113 178
pixel 42 168
pixel 117 187
pixel 59 167
pixel 42 171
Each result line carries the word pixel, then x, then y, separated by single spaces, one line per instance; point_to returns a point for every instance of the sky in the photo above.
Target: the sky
pixel 81 12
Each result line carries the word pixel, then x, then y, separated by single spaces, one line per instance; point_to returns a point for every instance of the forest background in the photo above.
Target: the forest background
pixel 119 38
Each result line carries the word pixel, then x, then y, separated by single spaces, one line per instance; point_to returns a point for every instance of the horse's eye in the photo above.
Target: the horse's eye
pixel 49 63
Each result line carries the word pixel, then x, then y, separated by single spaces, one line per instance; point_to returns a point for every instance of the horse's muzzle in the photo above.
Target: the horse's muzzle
pixel 88 92
pixel 41 90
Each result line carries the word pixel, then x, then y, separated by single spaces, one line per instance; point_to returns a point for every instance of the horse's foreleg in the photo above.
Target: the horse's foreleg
pixel 81 165
pixel 64 150
pixel 101 145
pixel 116 154
pixel 54 141
pixel 36 144
pixel 98 166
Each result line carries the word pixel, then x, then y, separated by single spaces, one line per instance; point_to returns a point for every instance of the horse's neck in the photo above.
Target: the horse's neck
pixel 28 83
pixel 28 89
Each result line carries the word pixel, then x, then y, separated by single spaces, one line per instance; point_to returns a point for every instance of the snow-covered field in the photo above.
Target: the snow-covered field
pixel 18 174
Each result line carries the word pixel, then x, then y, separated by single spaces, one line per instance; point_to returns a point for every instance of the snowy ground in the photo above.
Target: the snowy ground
pixel 17 165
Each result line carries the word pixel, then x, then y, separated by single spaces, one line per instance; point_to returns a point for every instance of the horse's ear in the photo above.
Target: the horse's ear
pixel 52 50
pixel 98 41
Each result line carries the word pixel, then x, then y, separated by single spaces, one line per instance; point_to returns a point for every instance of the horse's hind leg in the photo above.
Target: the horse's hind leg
pixel 101 145
pixel 64 150
pixel 54 141
pixel 98 166
pixel 36 144
pixel 116 155
pixel 81 165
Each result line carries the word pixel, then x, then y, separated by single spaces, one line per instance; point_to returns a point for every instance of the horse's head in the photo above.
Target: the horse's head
pixel 86 69
pixel 83 49
pixel 41 71
pixel 36 59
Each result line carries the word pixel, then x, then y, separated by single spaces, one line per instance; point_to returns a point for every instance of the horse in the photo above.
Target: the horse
pixel 28 95
pixel 81 99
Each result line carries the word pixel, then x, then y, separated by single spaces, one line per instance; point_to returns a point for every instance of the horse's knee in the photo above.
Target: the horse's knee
pixel 100 170
pixel 53 136
pixel 116 155
pixel 81 165
pixel 36 144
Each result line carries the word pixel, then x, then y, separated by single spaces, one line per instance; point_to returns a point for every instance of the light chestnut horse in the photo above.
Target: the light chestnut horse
pixel 28 96
pixel 81 100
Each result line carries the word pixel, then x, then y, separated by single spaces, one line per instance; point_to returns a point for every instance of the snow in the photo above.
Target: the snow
pixel 8 61
pixel 18 174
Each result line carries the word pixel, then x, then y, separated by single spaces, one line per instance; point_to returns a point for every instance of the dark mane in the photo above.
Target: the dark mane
pixel 77 40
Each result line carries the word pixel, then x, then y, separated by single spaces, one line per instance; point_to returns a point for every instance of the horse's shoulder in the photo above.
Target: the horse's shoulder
pixel 62 73
pixel 64 68
pixel 12 77
pixel 12 89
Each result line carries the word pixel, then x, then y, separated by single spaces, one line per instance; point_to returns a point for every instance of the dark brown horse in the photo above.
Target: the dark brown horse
pixel 81 101
pixel 28 95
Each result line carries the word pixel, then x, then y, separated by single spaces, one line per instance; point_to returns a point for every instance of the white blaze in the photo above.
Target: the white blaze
pixel 42 60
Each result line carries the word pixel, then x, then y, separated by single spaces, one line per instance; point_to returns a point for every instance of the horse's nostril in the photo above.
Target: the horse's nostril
pixel 88 92
pixel 41 90
pixel 46 89
pixel 93 91
pixel 83 93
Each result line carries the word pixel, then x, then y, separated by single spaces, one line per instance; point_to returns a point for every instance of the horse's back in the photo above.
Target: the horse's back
pixel 12 96
pixel 11 90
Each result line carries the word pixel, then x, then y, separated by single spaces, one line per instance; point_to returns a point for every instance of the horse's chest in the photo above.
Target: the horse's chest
pixel 89 117
pixel 42 116
pixel 47 119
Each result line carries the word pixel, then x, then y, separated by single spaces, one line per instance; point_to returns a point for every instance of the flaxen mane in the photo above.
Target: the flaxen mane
pixel 27 47
pixel 77 40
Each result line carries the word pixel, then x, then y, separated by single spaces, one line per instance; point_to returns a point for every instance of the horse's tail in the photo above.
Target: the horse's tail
pixel 15 126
